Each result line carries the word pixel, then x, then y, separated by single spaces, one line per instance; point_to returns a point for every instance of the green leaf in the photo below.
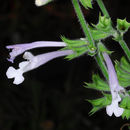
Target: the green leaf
pixel 123 72
pixel 86 3
pixel 97 84
pixel 122 25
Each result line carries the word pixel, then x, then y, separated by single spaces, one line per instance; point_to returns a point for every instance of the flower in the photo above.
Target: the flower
pixel 33 62
pixel 20 48
pixel 41 2
pixel 114 107
pixel 115 89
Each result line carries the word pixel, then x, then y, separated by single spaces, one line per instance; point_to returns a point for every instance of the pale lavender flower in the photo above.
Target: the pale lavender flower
pixel 41 2
pixel 18 49
pixel 33 62
pixel 115 89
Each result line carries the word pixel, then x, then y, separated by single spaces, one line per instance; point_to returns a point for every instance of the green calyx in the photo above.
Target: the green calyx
pixel 122 26
pixel 80 47
pixel 86 3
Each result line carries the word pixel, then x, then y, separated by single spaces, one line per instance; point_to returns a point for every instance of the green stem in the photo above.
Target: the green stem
pixel 83 23
pixel 125 48
pixel 103 8
pixel 87 32
pixel 101 64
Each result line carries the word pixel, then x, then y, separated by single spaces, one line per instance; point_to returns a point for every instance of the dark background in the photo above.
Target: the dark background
pixel 52 97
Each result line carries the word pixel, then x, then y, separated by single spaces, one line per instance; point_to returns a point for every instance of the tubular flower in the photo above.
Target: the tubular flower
pixel 33 62
pixel 115 89
pixel 20 48
pixel 41 2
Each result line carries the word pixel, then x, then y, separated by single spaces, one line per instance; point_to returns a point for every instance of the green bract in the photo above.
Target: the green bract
pixel 122 26
pixel 102 48
pixel 100 103
pixel 97 84
pixel 104 24
pixel 86 3
pixel 123 72
pixel 126 105
pixel 102 29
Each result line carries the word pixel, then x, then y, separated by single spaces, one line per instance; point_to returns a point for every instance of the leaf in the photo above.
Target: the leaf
pixel 86 3
pixel 97 84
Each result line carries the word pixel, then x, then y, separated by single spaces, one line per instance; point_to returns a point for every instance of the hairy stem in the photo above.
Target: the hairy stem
pixel 83 23
pixel 103 8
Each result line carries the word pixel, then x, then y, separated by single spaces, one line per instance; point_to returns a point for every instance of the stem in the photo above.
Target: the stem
pixel 125 48
pixel 101 64
pixel 83 23
pixel 103 8
pixel 87 32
